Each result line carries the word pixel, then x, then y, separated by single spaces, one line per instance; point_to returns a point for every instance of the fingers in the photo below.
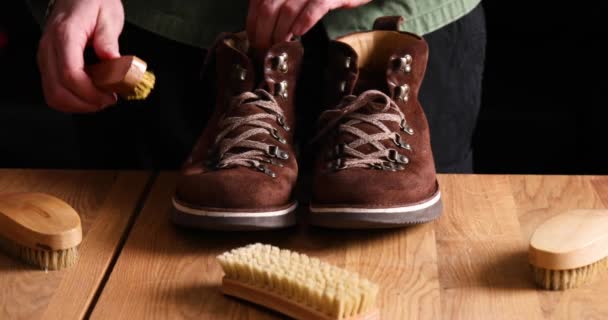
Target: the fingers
pixel 57 96
pixel 69 62
pixel 315 10
pixel 267 14
pixel 66 86
pixel 108 29
pixel 354 3
pixel 252 14
pixel 73 24
pixel 272 21
pixel 287 16
pixel 311 14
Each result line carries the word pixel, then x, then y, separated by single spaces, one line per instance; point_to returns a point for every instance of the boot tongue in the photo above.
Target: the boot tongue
pixel 258 57
pixel 370 80
pixel 372 55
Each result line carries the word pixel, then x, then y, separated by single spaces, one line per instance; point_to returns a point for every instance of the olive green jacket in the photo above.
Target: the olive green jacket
pixel 198 22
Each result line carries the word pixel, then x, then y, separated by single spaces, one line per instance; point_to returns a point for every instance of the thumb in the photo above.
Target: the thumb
pixel 105 37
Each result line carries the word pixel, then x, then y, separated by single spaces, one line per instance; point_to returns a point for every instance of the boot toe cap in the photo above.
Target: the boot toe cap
pixel 371 188
pixel 238 188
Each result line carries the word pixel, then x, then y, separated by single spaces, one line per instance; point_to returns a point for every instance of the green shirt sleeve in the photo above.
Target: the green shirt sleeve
pixel 421 16
pixel 198 22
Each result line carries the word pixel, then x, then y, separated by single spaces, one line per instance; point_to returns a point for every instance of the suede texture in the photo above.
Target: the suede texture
pixel 200 184
pixel 373 188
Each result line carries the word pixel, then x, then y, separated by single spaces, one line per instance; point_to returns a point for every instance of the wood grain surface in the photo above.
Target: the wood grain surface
pixel 538 198
pixel 169 272
pixel 483 269
pixel 106 201
pixel 469 264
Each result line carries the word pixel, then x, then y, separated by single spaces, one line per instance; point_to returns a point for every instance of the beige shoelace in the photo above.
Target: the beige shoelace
pixel 254 153
pixel 384 110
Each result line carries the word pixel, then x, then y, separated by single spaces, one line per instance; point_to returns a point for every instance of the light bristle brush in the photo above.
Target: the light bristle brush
pixel 296 285
pixel 570 249
pixel 40 229
pixel 127 76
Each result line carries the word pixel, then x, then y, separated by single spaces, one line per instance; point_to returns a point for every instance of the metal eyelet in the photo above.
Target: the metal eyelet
pixel 342 86
pixel 400 143
pixel 339 149
pixel 406 128
pixel 280 89
pixel 272 161
pixel 239 72
pixel 394 156
pixel 282 123
pixel 266 170
pixel 347 62
pixel 388 166
pixel 221 165
pixel 339 164
pixel 275 134
pixel 274 151
pixel 402 92
pixel 377 166
pixel 276 163
pixel 405 63
pixel 392 166
pixel 281 63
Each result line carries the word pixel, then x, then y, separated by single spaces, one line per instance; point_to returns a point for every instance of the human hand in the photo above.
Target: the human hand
pixel 272 21
pixel 72 25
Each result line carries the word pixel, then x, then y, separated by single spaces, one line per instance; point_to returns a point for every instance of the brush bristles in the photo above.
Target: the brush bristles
pixel 44 259
pixel 307 281
pixel 144 87
pixel 566 279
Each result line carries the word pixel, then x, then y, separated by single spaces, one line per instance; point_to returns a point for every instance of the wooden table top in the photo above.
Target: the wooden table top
pixel 106 202
pixel 469 264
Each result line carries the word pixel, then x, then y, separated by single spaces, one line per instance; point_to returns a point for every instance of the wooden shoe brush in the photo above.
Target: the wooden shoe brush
pixel 570 249
pixel 296 285
pixel 40 229
pixel 127 76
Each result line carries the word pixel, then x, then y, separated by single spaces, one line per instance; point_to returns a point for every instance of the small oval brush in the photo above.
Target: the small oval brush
pixel 40 229
pixel 570 249
pixel 127 76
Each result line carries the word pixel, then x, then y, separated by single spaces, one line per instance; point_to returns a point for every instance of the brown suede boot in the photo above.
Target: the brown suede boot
pixel 242 171
pixel 375 166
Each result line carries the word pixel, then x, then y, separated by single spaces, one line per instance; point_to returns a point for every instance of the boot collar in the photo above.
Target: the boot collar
pixel 275 70
pixel 390 61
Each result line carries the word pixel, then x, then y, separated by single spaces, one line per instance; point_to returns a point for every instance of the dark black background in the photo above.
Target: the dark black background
pixel 544 102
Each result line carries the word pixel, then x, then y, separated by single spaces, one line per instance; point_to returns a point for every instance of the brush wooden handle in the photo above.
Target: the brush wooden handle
pixel 281 304
pixel 39 221
pixel 570 240
pixel 120 75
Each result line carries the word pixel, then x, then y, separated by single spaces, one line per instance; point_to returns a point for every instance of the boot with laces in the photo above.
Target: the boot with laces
pixel 375 166
pixel 242 171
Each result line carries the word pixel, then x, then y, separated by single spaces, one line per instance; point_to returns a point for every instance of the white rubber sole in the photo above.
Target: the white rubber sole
pixel 348 217
pixel 224 219
pixel 411 208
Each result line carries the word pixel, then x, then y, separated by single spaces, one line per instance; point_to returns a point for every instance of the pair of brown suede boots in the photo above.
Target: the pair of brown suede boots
pixel 374 166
